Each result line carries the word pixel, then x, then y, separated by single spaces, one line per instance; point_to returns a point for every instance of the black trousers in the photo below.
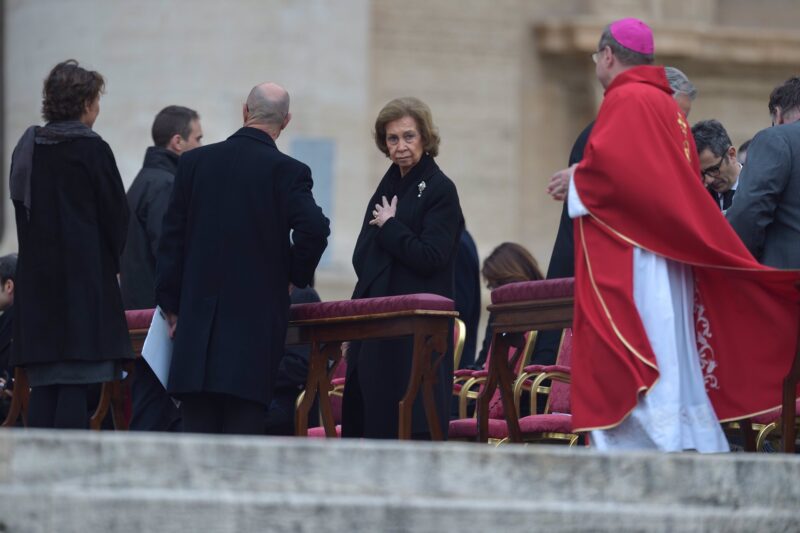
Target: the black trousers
pixel 153 408
pixel 221 413
pixel 59 406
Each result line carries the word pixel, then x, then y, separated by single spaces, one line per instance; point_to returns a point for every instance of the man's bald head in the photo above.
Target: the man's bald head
pixel 267 108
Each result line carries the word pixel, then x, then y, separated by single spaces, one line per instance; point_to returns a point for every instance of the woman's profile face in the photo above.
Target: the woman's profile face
pixel 404 143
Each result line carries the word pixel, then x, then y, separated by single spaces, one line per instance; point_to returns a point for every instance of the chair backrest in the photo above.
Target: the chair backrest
pixel 459 336
pixel 558 400
pixel 496 403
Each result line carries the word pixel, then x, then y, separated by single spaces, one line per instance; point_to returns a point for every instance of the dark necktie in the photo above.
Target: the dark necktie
pixel 727 199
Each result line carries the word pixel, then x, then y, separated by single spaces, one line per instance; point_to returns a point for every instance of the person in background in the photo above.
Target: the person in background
pixel 72 216
pixel 766 213
pixel 508 263
pixel 741 154
pixel 718 165
pixel 292 377
pixel 175 130
pixel 8 269
pixel 468 294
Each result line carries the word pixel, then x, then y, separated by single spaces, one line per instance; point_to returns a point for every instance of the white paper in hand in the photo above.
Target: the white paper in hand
pixel 157 349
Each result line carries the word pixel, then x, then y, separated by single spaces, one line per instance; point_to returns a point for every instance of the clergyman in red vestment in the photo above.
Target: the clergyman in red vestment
pixel 676 326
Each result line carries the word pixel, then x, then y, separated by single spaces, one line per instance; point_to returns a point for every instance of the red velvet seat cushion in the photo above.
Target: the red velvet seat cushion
pixel 467 428
pixel 319 432
pixel 139 318
pixel 555 423
pixel 774 416
pixel 534 290
pixel 371 306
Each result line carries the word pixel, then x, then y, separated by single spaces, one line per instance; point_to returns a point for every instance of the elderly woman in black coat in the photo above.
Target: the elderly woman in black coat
pixel 71 216
pixel 407 245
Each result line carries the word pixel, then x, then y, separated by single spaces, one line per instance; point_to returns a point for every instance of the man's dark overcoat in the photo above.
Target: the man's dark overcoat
pixel 67 299
pixel 414 252
pixel 225 262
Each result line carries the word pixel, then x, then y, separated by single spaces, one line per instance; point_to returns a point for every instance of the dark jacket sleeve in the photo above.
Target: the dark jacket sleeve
pixel 112 204
pixel 172 244
pixel 761 185
pixel 429 251
pixel 156 209
pixel 310 229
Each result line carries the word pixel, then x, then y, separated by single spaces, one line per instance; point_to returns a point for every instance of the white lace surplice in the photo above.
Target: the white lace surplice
pixel 676 413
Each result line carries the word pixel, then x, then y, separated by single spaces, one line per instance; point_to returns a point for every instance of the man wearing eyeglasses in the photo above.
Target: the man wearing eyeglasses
pixel 766 214
pixel 718 165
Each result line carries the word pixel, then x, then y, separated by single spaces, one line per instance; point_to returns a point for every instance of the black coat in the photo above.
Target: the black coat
pixel 562 260
pixel 6 329
pixel 413 252
pixel 225 262
pixel 468 294
pixel 67 299
pixel 148 198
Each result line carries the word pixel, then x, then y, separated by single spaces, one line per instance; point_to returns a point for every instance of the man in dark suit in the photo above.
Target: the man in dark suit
pixel 719 166
pixel 766 213
pixel 176 130
pixel 225 262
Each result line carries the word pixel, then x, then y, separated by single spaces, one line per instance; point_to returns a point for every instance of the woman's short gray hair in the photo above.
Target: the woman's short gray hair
pixel 408 107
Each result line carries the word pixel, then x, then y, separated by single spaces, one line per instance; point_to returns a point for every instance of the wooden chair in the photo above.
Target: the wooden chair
pixel 20 395
pixel 339 372
pixel 519 307
pixel 115 395
pixel 466 428
pixel 325 325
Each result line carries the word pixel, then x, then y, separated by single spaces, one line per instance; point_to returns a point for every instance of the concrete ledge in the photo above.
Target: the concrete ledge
pixel 116 482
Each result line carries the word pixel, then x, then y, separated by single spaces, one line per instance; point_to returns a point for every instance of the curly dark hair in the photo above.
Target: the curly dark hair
pixel 67 90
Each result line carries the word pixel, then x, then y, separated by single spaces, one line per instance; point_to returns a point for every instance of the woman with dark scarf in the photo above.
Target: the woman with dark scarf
pixel 71 215
pixel 407 245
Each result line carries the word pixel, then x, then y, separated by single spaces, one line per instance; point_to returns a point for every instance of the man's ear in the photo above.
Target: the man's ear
pixel 732 152
pixel 174 143
pixel 286 121
pixel 8 286
pixel 778 118
pixel 245 113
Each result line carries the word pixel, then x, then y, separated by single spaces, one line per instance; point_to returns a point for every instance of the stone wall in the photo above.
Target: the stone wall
pixel 510 83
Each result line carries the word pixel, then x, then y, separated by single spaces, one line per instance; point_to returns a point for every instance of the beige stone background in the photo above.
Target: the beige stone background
pixel 510 83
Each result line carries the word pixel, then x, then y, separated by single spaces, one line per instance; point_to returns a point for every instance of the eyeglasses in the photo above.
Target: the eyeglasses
pixel 713 171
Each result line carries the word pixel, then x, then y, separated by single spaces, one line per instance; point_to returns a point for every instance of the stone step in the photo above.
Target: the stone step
pixel 116 482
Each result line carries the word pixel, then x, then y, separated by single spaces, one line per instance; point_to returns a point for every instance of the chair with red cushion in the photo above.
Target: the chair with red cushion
pixel 519 307
pixel 466 428
pixel 116 395
pixel 325 325
pixel 555 423
pixel 339 373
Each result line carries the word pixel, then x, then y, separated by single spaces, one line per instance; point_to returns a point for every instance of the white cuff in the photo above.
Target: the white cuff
pixel 574 205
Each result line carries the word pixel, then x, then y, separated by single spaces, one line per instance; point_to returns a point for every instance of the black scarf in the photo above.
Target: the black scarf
pixel 22 158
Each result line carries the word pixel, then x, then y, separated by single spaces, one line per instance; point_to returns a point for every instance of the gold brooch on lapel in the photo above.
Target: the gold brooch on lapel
pixel 420 188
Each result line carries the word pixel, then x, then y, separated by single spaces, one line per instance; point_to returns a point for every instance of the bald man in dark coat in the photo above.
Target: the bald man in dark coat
pixel 225 262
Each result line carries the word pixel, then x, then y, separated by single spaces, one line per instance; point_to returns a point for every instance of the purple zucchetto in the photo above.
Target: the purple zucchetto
pixel 633 34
